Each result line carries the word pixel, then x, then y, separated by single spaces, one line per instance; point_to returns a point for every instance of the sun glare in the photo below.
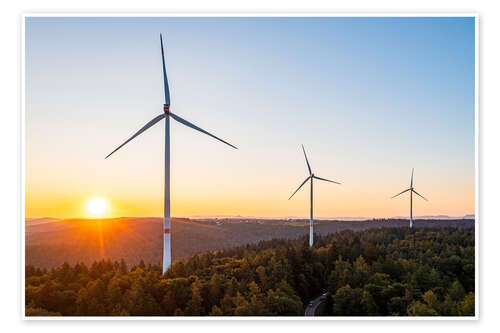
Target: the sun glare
pixel 97 206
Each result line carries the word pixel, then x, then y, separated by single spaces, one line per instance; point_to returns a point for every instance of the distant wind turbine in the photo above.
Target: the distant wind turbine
pixel 167 258
pixel 310 177
pixel 412 190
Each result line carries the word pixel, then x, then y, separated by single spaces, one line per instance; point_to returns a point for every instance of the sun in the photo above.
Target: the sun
pixel 97 206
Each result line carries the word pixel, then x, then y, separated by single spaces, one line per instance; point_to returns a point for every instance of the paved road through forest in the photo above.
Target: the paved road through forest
pixel 312 308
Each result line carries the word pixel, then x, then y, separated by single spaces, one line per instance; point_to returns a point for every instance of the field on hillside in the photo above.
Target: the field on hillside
pixel 51 242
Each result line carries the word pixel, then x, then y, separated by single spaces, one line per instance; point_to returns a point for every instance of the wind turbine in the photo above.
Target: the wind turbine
pixel 167 114
pixel 412 190
pixel 310 177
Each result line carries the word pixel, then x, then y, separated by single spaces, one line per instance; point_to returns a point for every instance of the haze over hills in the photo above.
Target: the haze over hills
pixel 51 242
pixel 337 218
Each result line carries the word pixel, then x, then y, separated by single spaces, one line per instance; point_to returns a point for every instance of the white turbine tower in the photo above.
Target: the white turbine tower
pixel 310 177
pixel 412 190
pixel 167 114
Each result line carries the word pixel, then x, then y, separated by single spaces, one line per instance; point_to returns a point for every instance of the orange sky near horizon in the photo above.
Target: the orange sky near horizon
pixel 142 195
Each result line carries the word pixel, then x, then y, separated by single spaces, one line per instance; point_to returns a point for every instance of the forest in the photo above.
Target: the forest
pixel 376 272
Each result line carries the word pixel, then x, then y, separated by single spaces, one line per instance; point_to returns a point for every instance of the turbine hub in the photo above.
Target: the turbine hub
pixel 166 108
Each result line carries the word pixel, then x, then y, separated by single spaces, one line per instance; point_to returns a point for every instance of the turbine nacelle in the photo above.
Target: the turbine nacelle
pixel 166 108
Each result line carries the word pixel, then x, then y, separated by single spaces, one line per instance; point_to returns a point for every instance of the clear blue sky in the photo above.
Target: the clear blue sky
pixel 370 98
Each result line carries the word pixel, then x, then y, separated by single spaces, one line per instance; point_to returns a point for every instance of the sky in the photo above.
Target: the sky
pixel 370 99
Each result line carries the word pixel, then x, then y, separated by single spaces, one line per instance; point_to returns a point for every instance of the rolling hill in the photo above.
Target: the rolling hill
pixel 51 242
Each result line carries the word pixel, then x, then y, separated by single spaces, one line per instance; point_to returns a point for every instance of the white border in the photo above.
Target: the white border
pixel 267 13
pixel 476 164
pixel 22 120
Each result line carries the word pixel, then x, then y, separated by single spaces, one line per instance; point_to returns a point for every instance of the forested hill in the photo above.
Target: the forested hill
pixel 377 272
pixel 50 242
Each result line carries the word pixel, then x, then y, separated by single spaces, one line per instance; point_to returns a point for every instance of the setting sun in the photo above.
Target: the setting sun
pixel 97 206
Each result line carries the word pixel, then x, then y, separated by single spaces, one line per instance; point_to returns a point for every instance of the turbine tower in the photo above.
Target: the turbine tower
pixel 310 177
pixel 412 190
pixel 167 114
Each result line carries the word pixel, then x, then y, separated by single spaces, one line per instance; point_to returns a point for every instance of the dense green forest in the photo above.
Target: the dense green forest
pixel 377 272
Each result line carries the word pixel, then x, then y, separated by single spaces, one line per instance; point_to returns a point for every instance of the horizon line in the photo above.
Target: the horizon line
pixel 358 218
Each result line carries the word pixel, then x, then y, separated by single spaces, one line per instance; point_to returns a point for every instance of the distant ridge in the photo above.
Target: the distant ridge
pixel 239 217
pixel 41 220
pixel 337 218
pixel 51 242
pixel 439 217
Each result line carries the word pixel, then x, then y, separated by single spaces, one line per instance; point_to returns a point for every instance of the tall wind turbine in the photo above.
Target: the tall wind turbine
pixel 167 114
pixel 310 177
pixel 412 190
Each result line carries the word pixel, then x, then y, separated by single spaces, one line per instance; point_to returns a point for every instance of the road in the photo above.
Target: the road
pixel 312 308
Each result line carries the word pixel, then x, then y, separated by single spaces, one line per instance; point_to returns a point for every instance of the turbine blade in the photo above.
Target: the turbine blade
pixel 165 81
pixel 419 195
pixel 299 187
pixel 326 180
pixel 308 166
pixel 411 185
pixel 188 124
pixel 145 127
pixel 400 193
